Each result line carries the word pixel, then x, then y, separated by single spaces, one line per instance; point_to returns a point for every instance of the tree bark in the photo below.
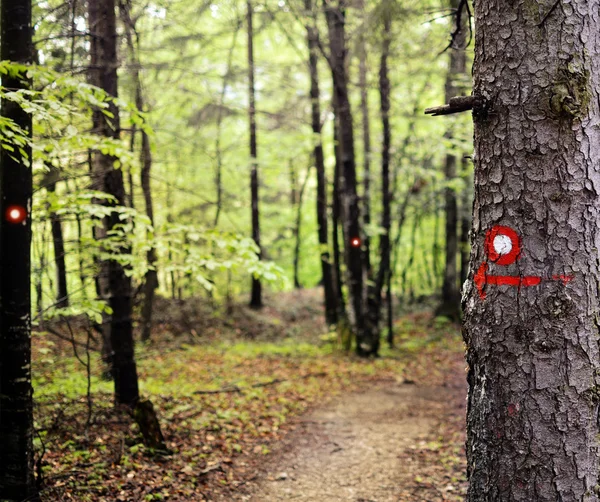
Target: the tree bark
pixel 327 279
pixel 16 405
pixel 355 266
pixel 465 224
pixel 450 304
pixel 103 73
pixel 532 344
pixel 256 297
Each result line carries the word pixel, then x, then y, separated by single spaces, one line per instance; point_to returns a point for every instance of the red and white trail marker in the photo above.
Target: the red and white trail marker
pixel 503 247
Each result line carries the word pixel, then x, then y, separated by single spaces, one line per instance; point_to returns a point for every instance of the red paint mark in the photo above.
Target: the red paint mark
pixel 355 242
pixel 15 214
pixel 563 278
pixel 515 250
pixel 482 278
pixel 512 409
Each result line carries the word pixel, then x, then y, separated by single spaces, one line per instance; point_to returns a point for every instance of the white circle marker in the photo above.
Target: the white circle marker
pixel 502 244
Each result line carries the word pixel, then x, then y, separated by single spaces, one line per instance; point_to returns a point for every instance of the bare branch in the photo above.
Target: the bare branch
pixel 455 105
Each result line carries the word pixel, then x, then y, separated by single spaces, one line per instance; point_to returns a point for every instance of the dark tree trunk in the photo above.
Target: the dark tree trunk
pixel 386 196
pixel 256 297
pixel 331 308
pixel 62 292
pixel 16 405
pixel 293 183
pixel 151 279
pixel 390 312
pixel 103 73
pixel 450 304
pixel 532 343
pixel 355 266
pixel 336 216
pixel 366 134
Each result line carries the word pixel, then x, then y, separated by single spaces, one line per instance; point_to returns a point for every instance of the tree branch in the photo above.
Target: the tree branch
pixel 455 105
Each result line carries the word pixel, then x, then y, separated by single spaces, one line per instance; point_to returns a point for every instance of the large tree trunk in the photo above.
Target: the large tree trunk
pixel 331 308
pixel 355 267
pixel 532 343
pixel 450 304
pixel 16 405
pixel 103 73
pixel 256 297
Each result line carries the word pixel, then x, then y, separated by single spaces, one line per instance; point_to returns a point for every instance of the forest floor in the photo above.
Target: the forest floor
pixel 256 406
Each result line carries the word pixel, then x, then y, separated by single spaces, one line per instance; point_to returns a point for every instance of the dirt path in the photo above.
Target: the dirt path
pixel 394 442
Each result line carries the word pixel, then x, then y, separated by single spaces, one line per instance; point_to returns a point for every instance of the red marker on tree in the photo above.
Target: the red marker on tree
pixel 355 242
pixel 16 214
pixel 503 247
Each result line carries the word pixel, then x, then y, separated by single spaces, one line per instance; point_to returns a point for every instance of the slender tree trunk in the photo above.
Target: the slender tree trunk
pixel 532 343
pixel 39 271
pixel 256 298
pixel 103 73
pixel 58 241
pixel 336 214
pixel 218 150
pixel 16 405
pixel 327 274
pixel 386 196
pixel 366 136
pixel 293 184
pixel 435 245
pixel 298 230
pixel 294 202
pixel 62 292
pixel 355 266
pixel 390 312
pixel 151 277
pixel 450 305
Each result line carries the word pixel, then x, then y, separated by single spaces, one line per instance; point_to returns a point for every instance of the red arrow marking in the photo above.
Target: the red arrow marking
pixel 482 278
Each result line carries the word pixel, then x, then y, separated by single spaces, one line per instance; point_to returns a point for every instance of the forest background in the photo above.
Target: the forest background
pixel 188 154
